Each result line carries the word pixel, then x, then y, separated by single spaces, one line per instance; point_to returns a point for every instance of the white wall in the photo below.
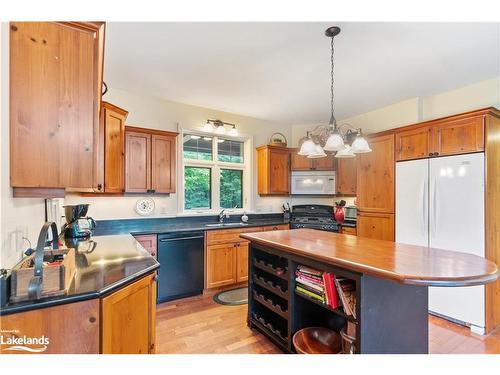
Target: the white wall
pixel 151 112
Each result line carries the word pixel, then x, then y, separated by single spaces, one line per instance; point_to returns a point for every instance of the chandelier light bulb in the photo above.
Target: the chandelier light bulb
pixel 345 153
pixel 334 142
pixel 360 145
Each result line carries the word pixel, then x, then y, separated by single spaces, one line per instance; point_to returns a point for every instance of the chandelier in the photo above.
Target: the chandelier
pixel 345 140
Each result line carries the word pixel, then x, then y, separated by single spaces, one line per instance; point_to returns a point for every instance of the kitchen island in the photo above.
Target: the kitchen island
pixel 391 286
pixel 110 306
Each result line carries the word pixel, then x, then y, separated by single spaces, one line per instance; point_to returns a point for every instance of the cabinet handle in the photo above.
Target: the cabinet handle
pixel 99 186
pixel 92 319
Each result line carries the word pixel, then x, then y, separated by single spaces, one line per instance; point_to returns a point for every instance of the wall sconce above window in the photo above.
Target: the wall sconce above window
pixel 219 127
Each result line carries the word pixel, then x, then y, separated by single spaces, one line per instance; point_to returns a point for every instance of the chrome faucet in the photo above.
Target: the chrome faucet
pixel 223 214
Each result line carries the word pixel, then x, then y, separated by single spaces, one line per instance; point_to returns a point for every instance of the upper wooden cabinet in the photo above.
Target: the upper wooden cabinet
pixel 453 135
pixel 273 170
pixel 346 176
pixel 303 163
pixel 112 149
pixel 414 143
pixel 375 176
pixel 55 93
pixel 150 160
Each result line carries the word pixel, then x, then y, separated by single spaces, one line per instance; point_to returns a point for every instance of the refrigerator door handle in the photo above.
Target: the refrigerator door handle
pixel 424 207
pixel 434 206
pixel 422 199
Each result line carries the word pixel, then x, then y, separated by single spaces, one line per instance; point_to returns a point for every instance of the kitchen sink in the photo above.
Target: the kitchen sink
pixel 226 225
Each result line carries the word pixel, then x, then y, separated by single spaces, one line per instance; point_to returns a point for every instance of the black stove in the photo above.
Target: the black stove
pixel 314 216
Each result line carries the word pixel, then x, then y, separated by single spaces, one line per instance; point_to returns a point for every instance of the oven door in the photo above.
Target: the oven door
pixel 313 183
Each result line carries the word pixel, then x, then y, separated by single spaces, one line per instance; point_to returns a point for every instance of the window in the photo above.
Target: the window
pixel 214 173
pixel 197 182
pixel 231 192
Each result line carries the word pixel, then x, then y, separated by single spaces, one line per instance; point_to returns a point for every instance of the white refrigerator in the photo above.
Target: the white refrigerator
pixel 440 204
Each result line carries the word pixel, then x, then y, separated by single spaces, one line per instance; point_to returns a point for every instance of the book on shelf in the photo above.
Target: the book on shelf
pixel 317 284
pixel 346 290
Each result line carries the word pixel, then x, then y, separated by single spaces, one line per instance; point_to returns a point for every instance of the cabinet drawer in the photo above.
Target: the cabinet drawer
pixel 378 226
pixel 223 236
pixel 276 227
pixel 349 230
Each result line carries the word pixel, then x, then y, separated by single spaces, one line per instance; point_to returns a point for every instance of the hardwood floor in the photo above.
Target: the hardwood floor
pixel 198 325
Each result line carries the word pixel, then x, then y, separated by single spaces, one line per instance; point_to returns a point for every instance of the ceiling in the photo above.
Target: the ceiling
pixel 281 71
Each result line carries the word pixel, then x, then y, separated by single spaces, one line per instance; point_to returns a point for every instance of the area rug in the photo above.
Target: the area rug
pixel 237 296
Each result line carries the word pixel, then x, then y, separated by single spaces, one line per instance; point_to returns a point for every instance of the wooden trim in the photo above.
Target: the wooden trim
pixel 34 192
pixel 115 108
pixel 492 217
pixel 130 128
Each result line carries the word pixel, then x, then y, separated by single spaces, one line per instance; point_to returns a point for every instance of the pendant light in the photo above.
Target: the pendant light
pixel 333 138
pixel 360 145
pixel 308 146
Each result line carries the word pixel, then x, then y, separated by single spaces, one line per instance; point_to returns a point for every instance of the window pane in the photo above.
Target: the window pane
pixel 197 147
pixel 197 191
pixel 231 191
pixel 230 151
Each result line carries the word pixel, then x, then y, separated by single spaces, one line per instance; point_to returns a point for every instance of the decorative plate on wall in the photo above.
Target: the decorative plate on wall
pixel 145 206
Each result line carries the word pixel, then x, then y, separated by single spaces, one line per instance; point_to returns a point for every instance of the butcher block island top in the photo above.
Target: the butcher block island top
pixel 405 264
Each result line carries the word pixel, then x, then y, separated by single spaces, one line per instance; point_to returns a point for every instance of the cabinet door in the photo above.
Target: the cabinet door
pixel 459 137
pixel 375 225
pixel 128 319
pixel 54 122
pixel 241 261
pixel 413 144
pixel 279 169
pixel 137 162
pixel 346 176
pixel 114 149
pixel 299 162
pixel 72 328
pixel 163 163
pixel 324 164
pixel 221 265
pixel 148 242
pixel 375 176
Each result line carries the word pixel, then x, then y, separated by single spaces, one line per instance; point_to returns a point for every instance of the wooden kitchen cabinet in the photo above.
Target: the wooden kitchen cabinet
pixel 276 227
pixel 112 149
pixel 242 261
pixel 346 176
pixel 221 265
pixel 375 176
pixel 452 135
pixel 303 163
pixel 349 230
pixel 149 242
pixel 59 324
pixel 375 225
pixel 414 143
pixel 150 161
pixel 273 170
pixel 55 93
pixel 129 319
pixel 459 136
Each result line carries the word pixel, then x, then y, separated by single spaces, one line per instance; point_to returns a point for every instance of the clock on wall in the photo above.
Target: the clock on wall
pixel 145 206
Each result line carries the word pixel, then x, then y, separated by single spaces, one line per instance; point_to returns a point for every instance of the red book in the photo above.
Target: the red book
pixel 331 291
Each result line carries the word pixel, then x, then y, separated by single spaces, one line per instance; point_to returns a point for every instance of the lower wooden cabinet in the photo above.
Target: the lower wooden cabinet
pixel 226 255
pixel 129 319
pixel 120 323
pixel 375 225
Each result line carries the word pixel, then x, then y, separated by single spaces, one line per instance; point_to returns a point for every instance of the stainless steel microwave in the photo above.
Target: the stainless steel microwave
pixel 313 183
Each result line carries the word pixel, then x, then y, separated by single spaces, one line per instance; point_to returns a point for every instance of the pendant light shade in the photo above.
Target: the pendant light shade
pixel 220 129
pixel 360 145
pixel 317 153
pixel 233 132
pixel 334 142
pixel 345 153
pixel 208 127
pixel 308 146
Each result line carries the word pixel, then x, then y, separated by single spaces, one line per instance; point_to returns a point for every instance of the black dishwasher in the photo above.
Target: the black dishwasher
pixel 180 256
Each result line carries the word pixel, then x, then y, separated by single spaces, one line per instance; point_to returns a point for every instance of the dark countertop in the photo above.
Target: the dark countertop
pixel 116 261
pixel 179 224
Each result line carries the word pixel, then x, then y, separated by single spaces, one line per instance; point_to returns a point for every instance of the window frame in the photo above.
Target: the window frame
pixel 215 166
